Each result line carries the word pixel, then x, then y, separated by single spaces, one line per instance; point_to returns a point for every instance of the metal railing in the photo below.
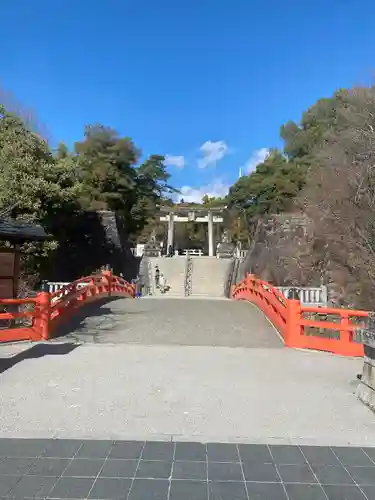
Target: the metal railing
pixel 231 276
pixel 188 275
pixel 241 253
pixel 315 296
pixel 198 252
pixel 151 281
pixel 54 286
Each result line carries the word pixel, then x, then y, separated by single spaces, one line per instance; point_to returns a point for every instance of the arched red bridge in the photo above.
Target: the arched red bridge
pixel 324 329
pixel 191 397
pixel 47 310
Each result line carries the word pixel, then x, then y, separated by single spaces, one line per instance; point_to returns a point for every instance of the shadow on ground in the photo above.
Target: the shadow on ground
pixel 77 322
pixel 37 351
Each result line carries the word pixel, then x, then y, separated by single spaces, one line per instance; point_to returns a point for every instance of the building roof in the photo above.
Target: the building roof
pixel 17 232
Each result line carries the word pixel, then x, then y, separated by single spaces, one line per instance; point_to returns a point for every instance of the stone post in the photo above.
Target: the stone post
pixel 170 231
pixel 366 388
pixel 210 234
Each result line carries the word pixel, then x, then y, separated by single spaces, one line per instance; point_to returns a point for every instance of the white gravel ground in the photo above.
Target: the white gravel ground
pixel 165 381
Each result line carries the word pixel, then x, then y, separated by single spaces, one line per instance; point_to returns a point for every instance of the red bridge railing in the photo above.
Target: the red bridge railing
pixel 331 330
pixel 47 310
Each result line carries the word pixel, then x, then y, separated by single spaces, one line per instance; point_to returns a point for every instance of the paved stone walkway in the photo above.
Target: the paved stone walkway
pixel 131 470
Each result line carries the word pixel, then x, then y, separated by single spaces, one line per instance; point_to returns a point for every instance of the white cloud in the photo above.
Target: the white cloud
pixel 212 152
pixel 190 194
pixel 255 159
pixel 174 161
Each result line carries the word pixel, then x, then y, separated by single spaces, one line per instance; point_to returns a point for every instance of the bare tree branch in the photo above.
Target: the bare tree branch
pixel 28 116
pixel 340 196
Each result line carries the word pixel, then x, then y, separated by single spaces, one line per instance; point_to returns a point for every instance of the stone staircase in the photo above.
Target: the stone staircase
pixel 209 276
pixel 173 270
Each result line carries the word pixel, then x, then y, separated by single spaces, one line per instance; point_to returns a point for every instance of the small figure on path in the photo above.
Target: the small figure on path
pixel 162 283
pixel 138 288
pixel 157 276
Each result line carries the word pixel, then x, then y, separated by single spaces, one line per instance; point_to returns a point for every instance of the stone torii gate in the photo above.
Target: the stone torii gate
pixel 189 214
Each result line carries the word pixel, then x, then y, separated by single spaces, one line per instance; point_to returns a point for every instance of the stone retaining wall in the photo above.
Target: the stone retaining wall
pixel 280 244
pixel 100 240
pixel 286 252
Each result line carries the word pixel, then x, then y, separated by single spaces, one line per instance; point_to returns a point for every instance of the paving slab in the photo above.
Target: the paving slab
pixel 181 471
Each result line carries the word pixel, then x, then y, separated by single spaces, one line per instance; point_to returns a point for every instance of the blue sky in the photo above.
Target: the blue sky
pixel 207 83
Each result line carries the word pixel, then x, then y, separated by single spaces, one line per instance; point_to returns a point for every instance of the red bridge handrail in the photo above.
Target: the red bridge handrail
pixel 50 309
pixel 288 316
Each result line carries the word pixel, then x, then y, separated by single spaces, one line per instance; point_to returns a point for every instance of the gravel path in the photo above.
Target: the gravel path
pixel 124 391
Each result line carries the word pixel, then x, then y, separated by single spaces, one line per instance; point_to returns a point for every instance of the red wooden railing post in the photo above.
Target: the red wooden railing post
pixel 249 285
pixel 249 277
pixel 108 276
pixel 346 335
pixel 293 327
pixel 44 314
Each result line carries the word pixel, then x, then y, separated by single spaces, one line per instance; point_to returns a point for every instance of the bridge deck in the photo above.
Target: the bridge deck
pixel 217 322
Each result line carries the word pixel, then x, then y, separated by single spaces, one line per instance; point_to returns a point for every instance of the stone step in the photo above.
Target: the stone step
pixel 208 277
